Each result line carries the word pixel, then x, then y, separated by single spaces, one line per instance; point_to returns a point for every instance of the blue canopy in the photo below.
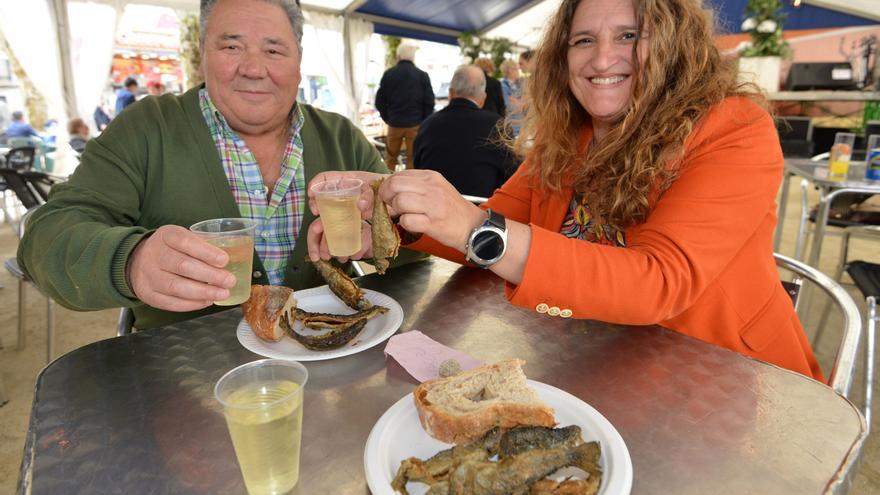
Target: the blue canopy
pixel 443 21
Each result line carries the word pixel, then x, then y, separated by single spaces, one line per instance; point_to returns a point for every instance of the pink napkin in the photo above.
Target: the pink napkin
pixel 421 356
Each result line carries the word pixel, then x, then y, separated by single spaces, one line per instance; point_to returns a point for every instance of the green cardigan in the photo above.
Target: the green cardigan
pixel 156 164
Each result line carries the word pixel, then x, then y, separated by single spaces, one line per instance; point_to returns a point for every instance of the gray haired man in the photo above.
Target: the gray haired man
pixel 116 234
pixel 462 141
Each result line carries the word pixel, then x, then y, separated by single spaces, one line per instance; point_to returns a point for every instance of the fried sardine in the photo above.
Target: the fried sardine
pixel 317 321
pixel 326 341
pixel 342 285
pixel 386 239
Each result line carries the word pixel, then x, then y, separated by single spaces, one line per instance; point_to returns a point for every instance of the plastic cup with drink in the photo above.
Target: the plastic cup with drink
pixel 337 206
pixel 236 237
pixel 841 153
pixel 872 158
pixel 263 405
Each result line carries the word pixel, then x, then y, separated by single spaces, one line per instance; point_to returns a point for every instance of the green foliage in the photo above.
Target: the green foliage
pixel 472 46
pixel 190 53
pixel 763 21
pixel 391 44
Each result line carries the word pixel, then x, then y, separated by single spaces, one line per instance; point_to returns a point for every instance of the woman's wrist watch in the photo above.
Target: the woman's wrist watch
pixel 488 242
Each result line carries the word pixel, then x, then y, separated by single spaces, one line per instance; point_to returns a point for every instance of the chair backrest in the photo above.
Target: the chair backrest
pixel 18 183
pixel 21 158
pixel 477 200
pixel 843 370
pixel 39 183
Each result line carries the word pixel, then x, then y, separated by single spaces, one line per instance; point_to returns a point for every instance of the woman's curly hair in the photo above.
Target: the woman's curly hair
pixel 681 78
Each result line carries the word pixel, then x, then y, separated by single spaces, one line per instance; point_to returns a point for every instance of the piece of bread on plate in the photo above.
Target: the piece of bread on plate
pixel 265 309
pixel 463 407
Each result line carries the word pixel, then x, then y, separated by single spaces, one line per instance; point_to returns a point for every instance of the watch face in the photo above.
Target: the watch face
pixel 488 245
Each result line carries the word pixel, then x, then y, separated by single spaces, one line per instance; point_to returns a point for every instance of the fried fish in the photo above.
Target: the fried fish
pixel 342 285
pixel 326 341
pixel 386 239
pixel 319 321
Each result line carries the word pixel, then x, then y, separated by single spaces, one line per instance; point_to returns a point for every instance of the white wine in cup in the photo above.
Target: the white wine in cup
pixel 236 237
pixel 337 206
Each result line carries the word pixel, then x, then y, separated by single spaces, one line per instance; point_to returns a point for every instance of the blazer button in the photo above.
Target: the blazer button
pixel 258 274
pixel 565 313
pixel 542 308
pixel 554 311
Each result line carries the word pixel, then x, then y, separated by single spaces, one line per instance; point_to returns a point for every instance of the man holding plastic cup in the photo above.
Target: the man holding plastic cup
pixel 239 146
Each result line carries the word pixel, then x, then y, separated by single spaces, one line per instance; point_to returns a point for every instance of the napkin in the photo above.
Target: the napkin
pixel 421 356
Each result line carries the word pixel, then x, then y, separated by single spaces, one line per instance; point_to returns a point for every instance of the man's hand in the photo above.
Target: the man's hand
pixel 175 270
pixel 318 249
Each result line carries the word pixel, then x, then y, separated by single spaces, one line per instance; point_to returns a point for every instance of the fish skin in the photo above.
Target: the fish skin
pixel 330 340
pixel 518 440
pixel 386 239
pixel 319 321
pixel 341 285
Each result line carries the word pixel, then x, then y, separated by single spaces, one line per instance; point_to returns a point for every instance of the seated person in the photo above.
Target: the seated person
pixel 126 95
pixel 116 233
pixel 20 128
pixel 79 134
pixel 648 191
pixel 462 141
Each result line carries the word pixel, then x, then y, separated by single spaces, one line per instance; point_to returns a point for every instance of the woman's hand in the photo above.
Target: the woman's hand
pixel 427 203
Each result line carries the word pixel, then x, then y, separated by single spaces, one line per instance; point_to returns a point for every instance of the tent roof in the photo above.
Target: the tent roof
pixel 522 20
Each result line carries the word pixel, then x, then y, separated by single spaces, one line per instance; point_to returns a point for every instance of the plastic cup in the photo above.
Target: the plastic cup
pixel 841 153
pixel 337 205
pixel 872 158
pixel 263 404
pixel 236 237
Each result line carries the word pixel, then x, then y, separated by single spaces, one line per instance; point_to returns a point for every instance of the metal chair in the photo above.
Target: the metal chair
pixel 21 158
pixel 843 370
pixel 867 278
pixel 125 324
pixel 15 270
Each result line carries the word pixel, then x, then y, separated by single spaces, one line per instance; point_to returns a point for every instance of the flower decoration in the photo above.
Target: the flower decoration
pixel 764 19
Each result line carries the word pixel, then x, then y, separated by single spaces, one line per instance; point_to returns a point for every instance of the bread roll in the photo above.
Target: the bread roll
pixel 265 308
pixel 463 407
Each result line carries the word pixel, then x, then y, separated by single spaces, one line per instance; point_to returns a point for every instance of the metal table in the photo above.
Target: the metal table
pixel 136 414
pixel 817 173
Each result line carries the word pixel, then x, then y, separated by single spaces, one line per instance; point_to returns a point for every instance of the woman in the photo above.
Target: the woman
pixel 647 195
pixel 494 95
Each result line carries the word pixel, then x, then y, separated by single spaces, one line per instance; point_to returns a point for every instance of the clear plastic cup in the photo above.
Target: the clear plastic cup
pixel 840 155
pixel 236 237
pixel 872 158
pixel 263 404
pixel 337 206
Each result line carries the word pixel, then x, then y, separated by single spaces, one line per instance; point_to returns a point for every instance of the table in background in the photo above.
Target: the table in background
pixel 824 96
pixel 817 173
pixel 136 414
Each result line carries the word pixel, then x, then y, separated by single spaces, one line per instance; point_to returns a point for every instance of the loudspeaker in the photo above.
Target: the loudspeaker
pixel 820 75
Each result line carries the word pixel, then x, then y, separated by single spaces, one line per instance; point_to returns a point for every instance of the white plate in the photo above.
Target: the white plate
pixel 321 300
pixel 398 435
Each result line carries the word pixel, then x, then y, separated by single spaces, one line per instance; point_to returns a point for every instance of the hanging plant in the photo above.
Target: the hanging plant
pixel 35 104
pixel 764 19
pixel 473 47
pixel 190 53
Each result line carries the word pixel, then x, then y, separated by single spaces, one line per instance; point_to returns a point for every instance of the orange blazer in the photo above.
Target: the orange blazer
pixel 702 262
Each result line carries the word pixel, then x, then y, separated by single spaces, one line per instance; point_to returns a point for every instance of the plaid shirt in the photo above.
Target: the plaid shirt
pixel 279 218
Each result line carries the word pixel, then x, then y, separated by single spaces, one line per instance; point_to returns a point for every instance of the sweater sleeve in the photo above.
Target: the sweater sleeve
pixel 725 189
pixel 76 246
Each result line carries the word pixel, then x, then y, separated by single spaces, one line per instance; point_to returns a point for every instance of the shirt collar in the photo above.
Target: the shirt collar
pixel 295 118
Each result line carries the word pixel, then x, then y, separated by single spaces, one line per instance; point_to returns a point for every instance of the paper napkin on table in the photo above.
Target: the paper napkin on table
pixel 421 356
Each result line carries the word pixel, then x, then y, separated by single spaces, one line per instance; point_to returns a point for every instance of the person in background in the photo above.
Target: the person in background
pixel 648 192
pixel 511 87
pixel 462 141
pixel 20 128
pixel 116 233
pixel 404 99
pixel 527 63
pixel 102 120
pixel 494 95
pixel 5 115
pixel 125 96
pixel 79 134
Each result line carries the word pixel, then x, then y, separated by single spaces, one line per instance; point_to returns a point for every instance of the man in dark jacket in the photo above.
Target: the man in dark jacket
pixel 404 99
pixel 494 95
pixel 461 141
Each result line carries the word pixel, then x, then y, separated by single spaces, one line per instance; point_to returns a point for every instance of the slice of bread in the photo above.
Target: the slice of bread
pixel 463 407
pixel 265 308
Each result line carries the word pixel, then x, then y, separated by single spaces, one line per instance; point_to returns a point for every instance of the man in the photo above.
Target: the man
pixel 125 95
pixel 404 99
pixel 20 128
pixel 116 233
pixel 79 134
pixel 461 141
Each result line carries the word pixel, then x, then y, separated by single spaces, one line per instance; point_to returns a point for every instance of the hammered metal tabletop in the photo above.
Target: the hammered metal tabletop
pixel 136 414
